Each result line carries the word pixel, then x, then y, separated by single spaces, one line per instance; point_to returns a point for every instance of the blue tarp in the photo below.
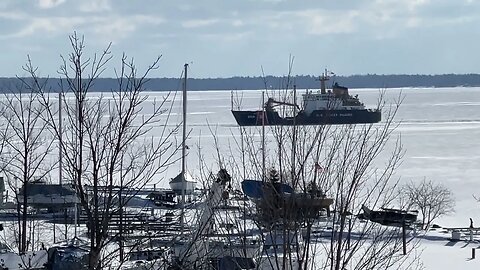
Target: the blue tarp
pixel 254 188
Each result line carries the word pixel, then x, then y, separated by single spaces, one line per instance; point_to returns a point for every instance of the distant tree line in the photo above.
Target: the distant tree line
pixel 302 82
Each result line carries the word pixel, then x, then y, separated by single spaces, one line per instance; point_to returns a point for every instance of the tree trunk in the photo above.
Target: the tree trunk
pixel 94 259
pixel 23 245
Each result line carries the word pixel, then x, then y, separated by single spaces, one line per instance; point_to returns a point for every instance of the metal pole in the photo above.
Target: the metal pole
pixel 404 238
pixel 60 152
pixel 120 202
pixel 349 232
pixel 75 214
pixel 263 135
pixel 54 223
pixel 184 134
pixel 66 218
pixel 294 136
pixel 76 181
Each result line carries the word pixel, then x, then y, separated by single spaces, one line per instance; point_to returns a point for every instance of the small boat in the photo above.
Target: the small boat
pixel 54 197
pixel 178 183
pixel 335 106
pixel 255 189
pixel 163 198
pixel 281 246
pixel 389 216
pixel 71 254
pixel 28 260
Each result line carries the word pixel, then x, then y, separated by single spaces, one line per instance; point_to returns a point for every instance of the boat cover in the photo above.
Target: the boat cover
pixel 254 188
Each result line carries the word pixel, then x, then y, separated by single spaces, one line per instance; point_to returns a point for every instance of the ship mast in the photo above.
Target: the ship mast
pixel 323 78
pixel 184 134
pixel 60 138
pixel 294 132
pixel 263 136
pixel 60 166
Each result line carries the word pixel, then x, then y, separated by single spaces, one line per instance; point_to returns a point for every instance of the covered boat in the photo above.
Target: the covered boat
pixel 389 216
pixel 275 200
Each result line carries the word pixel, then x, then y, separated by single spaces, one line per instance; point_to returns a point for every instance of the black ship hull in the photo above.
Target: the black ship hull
pixel 318 117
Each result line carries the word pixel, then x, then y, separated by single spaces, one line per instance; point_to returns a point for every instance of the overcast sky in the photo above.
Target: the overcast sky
pixel 223 38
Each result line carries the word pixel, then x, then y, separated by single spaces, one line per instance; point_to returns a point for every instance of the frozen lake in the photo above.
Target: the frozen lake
pixel 439 128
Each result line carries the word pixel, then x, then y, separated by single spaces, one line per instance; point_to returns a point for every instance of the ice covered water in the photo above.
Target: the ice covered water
pixel 439 128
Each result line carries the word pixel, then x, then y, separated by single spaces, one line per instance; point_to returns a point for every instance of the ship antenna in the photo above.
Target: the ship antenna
pixel 323 78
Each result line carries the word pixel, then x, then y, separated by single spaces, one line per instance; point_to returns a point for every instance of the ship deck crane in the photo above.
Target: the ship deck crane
pixel 273 103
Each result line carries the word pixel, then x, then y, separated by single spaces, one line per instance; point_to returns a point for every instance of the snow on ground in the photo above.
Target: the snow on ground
pixel 439 251
pixel 436 248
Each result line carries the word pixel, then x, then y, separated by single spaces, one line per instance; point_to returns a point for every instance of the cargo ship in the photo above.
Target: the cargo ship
pixel 324 107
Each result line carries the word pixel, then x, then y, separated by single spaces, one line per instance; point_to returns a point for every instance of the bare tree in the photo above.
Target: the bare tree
pixel 349 163
pixel 26 145
pixel 432 200
pixel 112 146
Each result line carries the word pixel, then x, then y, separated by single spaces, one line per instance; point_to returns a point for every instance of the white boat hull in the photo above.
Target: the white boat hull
pixel 188 186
